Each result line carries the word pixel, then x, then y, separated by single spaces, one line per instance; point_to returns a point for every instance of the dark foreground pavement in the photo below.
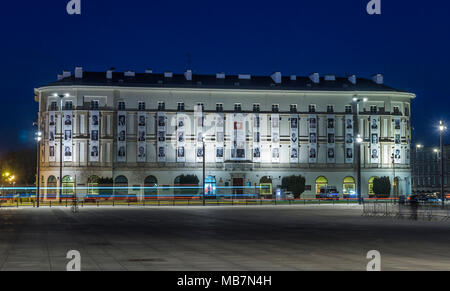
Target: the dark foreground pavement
pixel 218 238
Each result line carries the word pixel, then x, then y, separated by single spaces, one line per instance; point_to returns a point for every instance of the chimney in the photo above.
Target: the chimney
pixel 66 74
pixel 148 71
pixel 79 72
pixel 276 77
pixel 188 75
pixel 352 79
pixel 293 78
pixel 315 77
pixel 245 76
pixel 378 79
pixel 220 76
pixel 168 75
pixel 330 78
pixel 130 74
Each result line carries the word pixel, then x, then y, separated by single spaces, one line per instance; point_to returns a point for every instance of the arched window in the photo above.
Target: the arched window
pixel 93 185
pixel 52 186
pixel 121 187
pixel 349 187
pixel 68 187
pixel 187 185
pixel 371 193
pixel 150 184
pixel 321 182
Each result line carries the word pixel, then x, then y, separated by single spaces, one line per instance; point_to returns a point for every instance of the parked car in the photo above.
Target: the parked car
pixel 329 192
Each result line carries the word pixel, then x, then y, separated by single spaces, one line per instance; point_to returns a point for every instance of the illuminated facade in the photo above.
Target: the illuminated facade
pixel 148 129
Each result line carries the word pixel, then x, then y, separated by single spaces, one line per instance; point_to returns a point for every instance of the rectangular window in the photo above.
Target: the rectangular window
pixel 238 107
pixel 330 109
pixel 141 106
pixel 54 106
pixel 94 105
pixel 373 109
pixel 256 107
pixel 68 105
pixel 219 107
pixel 293 108
pixel 396 110
pixel 312 108
pixel 275 108
pixel 180 106
pixel 121 106
pixel 348 109
pixel 161 106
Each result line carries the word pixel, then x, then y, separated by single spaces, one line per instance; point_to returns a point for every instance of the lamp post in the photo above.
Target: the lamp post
pixel 204 171
pixel 442 128
pixel 418 147
pixel 358 143
pixel 38 170
pixel 394 184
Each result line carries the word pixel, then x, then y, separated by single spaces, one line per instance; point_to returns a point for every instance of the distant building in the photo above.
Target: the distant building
pixel 146 129
pixel 426 169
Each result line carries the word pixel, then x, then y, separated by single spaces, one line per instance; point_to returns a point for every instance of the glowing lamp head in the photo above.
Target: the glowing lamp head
pixel 359 139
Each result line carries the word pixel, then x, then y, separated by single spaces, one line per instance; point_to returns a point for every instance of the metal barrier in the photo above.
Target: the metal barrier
pixel 407 210
pixel 75 204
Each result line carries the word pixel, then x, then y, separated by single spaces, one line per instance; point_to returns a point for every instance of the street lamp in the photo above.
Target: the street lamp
pixel 418 147
pixel 394 184
pixel 357 145
pixel 442 128
pixel 204 170
pixel 38 137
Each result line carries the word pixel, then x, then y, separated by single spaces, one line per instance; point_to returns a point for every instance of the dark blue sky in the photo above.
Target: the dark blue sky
pixel 409 43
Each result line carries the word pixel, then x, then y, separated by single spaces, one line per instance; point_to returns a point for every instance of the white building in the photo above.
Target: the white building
pixel 150 127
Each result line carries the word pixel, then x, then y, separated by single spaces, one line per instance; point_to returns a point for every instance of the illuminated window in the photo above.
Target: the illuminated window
pixel 349 187
pixel 371 193
pixel 321 182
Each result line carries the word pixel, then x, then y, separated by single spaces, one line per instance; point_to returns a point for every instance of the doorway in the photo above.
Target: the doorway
pixel 238 187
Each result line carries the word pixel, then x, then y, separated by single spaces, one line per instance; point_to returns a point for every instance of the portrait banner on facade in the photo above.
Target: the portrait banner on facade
pixel 94 142
pixel 181 137
pixel 374 139
pixel 51 136
pixel 275 122
pixel 313 138
pixel 142 137
pixel 121 136
pixel 349 139
pixel 331 142
pixel 397 140
pixel 238 141
pixel 256 138
pixel 67 132
pixel 198 125
pixel 220 138
pixel 294 122
pixel 161 122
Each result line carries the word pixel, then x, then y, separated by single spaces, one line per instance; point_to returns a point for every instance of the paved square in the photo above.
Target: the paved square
pixel 218 238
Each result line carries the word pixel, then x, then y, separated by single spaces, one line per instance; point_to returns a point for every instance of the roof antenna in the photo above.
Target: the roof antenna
pixel 188 60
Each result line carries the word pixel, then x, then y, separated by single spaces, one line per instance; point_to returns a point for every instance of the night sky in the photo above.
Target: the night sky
pixel 408 43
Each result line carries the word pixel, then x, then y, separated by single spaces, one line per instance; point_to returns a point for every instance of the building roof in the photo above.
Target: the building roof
pixel 212 82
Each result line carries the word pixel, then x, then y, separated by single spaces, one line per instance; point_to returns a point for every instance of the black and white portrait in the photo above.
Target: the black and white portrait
pixel 256 153
pixel 67 152
pixel 330 138
pixel 349 154
pixel 219 152
pixel 161 136
pixel 294 123
pixel 349 124
pixel 312 153
pixel 141 135
pixel 375 138
pixel 68 120
pixel 374 154
pixel 331 123
pixel 294 153
pixel 52 151
pixel 180 152
pixel 374 123
pixel 122 135
pixel 67 135
pixel 142 120
pixel 122 120
pixel 312 122
pixel 161 152
pixel 141 152
pixel 94 120
pixel 330 153
pixel 94 151
pixel 312 138
pixel 122 151
pixel 94 135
